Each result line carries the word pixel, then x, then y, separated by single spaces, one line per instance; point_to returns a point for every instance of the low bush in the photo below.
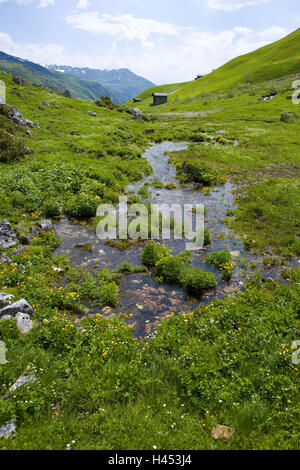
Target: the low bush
pixel 82 206
pixel 198 281
pixel 201 173
pixel 170 269
pixel 153 252
pixel 222 260
pixel 11 148
pixel 217 259
pixel 288 116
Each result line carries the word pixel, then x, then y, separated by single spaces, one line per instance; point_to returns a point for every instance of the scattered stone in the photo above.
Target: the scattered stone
pixel 92 113
pixel 28 132
pixel 135 112
pixel 107 310
pixel 6 299
pixel 21 306
pixel 8 430
pixel 32 124
pixel 45 103
pixel 22 380
pixel 235 253
pixel 19 81
pixel 140 307
pixel 8 236
pixel 44 225
pixel 137 100
pixel 24 322
pixel 19 250
pixel 13 113
pixel 222 432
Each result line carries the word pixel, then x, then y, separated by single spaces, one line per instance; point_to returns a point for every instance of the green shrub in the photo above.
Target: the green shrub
pixel 207 237
pixel 82 206
pixel 109 295
pixel 198 281
pixel 127 267
pixel 288 116
pixel 222 260
pixel 170 269
pixel 51 208
pixel 11 149
pixel 153 252
pixel 217 259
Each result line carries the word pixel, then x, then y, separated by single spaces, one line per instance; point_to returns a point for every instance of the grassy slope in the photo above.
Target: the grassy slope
pixel 229 363
pixel 273 61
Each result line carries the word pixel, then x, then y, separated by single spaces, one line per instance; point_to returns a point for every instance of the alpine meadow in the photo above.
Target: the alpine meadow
pixel 138 343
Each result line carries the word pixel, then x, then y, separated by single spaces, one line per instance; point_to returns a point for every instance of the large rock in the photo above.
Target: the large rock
pixel 22 380
pixel 8 236
pixel 136 112
pixel 24 322
pixel 13 113
pixel 21 306
pixel 44 225
pixel 6 299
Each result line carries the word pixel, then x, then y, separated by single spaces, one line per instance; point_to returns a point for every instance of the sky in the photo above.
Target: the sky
pixel 166 41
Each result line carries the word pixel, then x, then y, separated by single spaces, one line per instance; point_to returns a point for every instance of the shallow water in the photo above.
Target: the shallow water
pixel 141 296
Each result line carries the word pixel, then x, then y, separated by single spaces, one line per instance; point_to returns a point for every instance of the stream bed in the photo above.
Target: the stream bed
pixel 146 300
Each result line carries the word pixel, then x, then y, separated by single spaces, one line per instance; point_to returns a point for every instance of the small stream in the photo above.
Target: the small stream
pixel 140 295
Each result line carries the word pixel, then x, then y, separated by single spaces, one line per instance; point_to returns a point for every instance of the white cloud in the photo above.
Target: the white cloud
pixel 41 3
pixel 82 4
pixel 231 5
pixel 177 56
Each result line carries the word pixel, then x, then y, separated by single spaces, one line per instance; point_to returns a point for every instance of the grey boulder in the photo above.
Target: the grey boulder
pixel 8 236
pixel 135 112
pixel 21 306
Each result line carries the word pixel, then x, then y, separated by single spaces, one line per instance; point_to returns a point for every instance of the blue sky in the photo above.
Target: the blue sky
pixel 164 40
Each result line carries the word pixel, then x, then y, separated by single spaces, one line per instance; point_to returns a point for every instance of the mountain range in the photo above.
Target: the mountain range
pixel 119 85
pixel 122 82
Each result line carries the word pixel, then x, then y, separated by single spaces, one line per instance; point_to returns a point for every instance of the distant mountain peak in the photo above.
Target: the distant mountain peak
pixel 123 82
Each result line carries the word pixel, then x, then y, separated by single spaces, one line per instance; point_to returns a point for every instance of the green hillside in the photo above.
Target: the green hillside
pixel 276 60
pixel 54 80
